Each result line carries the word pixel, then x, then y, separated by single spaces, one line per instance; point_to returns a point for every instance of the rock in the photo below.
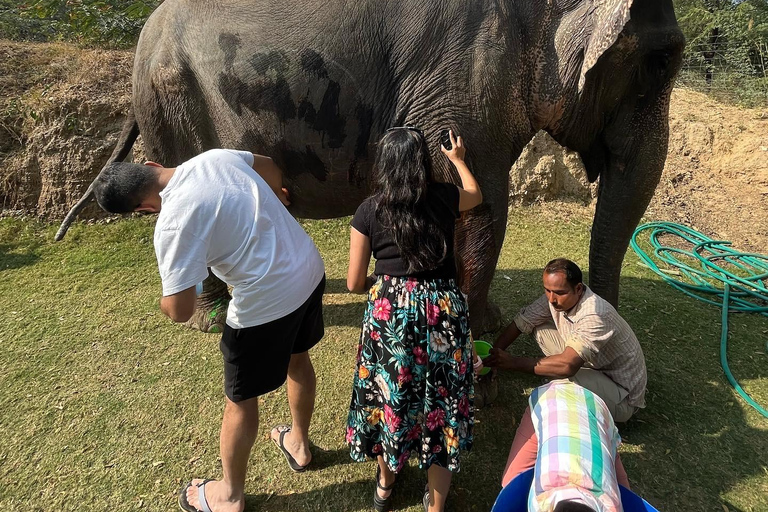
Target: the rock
pixel 546 171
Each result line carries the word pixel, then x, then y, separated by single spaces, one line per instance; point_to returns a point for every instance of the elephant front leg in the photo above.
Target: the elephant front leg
pixel 211 309
pixel 477 250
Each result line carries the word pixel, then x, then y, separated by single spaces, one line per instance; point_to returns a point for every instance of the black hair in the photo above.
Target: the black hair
pixel 570 269
pixel 572 506
pixel 121 186
pixel 403 169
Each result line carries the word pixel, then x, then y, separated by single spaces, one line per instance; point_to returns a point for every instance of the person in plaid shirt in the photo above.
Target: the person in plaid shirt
pixel 583 338
pixel 568 435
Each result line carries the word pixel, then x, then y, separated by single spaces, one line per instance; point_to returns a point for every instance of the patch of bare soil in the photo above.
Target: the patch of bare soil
pixel 716 177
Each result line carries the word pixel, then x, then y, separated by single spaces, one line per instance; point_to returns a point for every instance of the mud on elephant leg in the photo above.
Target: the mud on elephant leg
pixel 211 310
pixel 476 254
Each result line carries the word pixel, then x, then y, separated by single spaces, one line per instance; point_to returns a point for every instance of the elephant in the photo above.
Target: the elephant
pixel 313 84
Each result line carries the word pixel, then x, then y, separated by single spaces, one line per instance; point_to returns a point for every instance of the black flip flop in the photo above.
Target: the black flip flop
pixel 295 466
pixel 184 503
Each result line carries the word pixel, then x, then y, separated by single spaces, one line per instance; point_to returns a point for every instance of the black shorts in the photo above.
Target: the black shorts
pixel 256 358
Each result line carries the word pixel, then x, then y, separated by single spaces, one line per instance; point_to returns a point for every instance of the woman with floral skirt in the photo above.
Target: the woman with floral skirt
pixel 412 392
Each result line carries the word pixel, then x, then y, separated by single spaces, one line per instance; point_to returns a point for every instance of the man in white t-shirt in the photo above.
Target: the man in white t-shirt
pixel 224 209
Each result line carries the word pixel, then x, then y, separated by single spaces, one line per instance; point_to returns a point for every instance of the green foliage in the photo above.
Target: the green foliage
pixel 103 23
pixel 727 48
pixel 14 25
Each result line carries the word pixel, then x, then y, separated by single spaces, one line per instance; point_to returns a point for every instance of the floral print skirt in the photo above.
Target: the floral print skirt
pixel 413 389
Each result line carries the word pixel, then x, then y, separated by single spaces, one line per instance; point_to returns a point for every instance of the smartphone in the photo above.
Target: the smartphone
pixel 445 139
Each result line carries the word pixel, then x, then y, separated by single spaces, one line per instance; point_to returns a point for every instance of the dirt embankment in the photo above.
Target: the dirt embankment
pixel 61 110
pixel 716 177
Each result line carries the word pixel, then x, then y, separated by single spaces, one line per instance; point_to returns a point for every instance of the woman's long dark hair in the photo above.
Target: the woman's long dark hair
pixel 403 169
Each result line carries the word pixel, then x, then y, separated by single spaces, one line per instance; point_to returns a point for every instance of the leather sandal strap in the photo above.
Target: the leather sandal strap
pixel 387 488
pixel 378 477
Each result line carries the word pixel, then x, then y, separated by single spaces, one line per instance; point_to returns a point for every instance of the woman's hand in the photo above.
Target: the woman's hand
pixel 477 365
pixel 469 192
pixel 456 153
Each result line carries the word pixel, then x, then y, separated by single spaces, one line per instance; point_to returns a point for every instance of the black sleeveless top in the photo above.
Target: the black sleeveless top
pixel 443 202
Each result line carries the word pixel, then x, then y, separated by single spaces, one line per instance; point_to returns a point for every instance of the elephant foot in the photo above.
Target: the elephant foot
pixel 486 391
pixel 488 323
pixel 209 316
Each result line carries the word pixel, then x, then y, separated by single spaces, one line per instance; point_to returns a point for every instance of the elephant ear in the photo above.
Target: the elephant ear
pixel 608 20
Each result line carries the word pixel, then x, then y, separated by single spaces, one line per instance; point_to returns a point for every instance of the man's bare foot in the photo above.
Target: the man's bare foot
pixel 297 448
pixel 218 496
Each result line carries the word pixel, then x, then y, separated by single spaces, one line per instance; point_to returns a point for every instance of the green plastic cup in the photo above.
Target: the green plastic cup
pixel 483 349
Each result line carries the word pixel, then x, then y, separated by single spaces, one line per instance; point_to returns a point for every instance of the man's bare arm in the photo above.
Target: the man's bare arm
pixel 179 307
pixel 506 338
pixel 559 366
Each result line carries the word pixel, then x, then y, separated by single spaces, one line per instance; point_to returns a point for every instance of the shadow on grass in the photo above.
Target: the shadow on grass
pixel 347 313
pixel 353 495
pixel 322 459
pixel 10 258
pixel 336 286
pixel 324 498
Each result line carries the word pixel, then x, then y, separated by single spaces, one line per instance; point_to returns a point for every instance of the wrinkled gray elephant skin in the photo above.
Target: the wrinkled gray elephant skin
pixel 314 84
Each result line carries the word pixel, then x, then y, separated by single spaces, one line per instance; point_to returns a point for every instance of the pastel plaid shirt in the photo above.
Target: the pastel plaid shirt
pixel 577 443
pixel 601 337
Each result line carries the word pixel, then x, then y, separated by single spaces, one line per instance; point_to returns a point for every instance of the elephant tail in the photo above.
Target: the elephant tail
pixel 124 144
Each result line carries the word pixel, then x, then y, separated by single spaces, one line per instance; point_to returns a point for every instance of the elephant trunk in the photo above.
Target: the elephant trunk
pixel 627 184
pixel 124 144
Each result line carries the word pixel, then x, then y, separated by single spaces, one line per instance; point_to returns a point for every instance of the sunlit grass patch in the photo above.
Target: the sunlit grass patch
pixel 106 404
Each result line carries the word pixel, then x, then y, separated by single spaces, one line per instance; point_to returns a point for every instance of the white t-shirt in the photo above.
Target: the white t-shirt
pixel 217 212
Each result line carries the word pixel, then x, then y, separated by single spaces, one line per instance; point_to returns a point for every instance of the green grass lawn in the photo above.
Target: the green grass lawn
pixel 107 405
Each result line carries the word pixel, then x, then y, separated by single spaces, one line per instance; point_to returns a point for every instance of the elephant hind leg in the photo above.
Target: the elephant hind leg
pixel 173 114
pixel 176 125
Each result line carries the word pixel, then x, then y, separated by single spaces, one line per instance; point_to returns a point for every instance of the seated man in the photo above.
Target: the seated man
pixel 583 339
pixel 568 435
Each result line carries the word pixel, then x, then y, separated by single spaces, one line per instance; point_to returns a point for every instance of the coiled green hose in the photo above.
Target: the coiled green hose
pixel 742 289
